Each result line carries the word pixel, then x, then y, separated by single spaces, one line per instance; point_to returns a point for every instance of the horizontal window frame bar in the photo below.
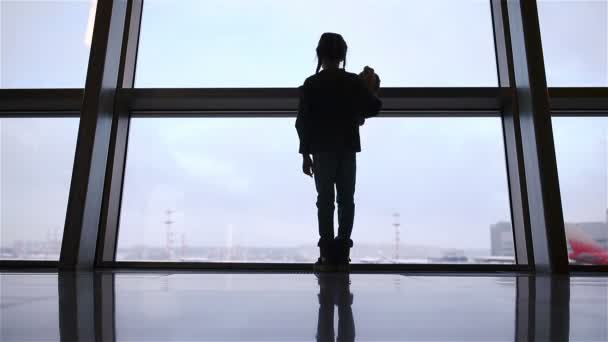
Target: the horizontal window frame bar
pixel 303 267
pixel 286 99
pixel 39 115
pixel 292 114
pixel 198 102
pixel 573 100
pixel 588 268
pixel 579 113
pixel 28 265
pixel 40 102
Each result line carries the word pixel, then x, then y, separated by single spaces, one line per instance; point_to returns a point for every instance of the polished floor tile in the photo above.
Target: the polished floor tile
pixel 300 307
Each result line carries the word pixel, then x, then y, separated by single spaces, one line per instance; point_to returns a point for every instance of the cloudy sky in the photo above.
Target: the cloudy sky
pixel 227 184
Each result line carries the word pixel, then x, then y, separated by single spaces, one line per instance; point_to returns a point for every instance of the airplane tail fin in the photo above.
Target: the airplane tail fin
pixel 581 242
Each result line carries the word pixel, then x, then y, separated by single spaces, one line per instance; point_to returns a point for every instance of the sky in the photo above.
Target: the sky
pixel 445 176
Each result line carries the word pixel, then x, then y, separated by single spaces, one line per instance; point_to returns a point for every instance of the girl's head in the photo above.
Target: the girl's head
pixel 331 49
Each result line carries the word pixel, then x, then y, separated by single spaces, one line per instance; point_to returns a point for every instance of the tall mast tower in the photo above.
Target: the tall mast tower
pixel 183 252
pixel 397 225
pixel 169 234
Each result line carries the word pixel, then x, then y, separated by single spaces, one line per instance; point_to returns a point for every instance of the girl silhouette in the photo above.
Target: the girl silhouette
pixel 333 104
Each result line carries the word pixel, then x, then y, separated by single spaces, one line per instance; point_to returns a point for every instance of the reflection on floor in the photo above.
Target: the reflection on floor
pixel 300 307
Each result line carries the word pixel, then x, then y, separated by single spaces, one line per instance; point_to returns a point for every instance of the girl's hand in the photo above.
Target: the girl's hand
pixel 370 78
pixel 307 165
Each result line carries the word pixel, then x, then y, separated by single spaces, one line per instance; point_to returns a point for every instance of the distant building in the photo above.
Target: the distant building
pixel 501 235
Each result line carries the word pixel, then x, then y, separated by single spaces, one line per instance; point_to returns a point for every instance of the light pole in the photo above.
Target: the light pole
pixel 397 225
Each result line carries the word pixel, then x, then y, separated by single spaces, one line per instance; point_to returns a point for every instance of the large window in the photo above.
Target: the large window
pixel 581 145
pixel 271 43
pixel 45 44
pixel 231 189
pixel 575 42
pixel 36 159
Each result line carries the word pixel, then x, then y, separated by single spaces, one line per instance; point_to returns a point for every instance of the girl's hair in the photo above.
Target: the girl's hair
pixel 331 46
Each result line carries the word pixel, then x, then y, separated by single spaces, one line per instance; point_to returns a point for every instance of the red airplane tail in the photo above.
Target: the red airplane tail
pixel 590 247
pixel 582 245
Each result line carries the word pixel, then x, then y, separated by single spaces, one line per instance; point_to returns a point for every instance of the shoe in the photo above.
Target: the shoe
pixel 341 252
pixel 325 263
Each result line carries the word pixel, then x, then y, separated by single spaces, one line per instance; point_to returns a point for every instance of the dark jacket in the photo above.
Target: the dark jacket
pixel 332 106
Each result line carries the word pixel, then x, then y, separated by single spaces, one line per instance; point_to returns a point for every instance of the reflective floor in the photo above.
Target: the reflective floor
pixel 300 307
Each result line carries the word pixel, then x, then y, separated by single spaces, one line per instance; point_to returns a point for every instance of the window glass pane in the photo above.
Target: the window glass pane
pixel 45 44
pixel 575 42
pixel 581 146
pixel 36 159
pixel 271 43
pixel 212 190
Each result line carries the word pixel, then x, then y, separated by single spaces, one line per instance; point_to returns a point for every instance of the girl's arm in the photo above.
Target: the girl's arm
pixel 367 93
pixel 303 121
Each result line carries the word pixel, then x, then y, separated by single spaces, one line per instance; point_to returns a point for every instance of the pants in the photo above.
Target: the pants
pixel 335 172
pixel 325 324
pixel 334 290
